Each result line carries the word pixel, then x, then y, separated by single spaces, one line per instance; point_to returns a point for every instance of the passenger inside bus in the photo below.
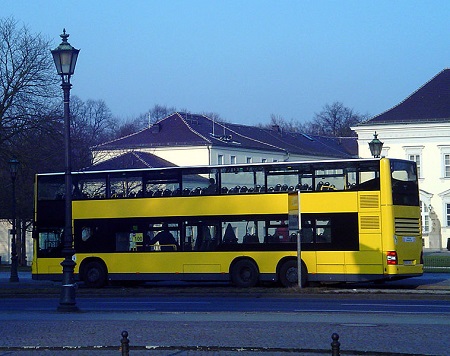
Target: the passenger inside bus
pixel 212 187
pixel 282 232
pixel 229 237
pixel 165 239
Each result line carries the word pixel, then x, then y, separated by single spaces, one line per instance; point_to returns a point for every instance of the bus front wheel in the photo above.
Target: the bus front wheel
pixel 95 275
pixel 244 274
pixel 288 274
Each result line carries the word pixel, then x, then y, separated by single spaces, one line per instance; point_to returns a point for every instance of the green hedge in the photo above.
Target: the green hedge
pixel 436 262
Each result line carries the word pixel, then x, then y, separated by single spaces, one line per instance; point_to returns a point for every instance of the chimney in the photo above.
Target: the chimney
pixel 155 128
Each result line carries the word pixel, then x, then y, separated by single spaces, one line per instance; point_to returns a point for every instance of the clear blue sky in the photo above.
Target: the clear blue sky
pixel 248 59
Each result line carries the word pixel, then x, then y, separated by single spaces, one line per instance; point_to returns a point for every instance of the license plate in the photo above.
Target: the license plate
pixel 408 262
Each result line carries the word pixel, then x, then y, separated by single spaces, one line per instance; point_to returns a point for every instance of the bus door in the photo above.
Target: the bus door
pixel 328 262
pixel 332 237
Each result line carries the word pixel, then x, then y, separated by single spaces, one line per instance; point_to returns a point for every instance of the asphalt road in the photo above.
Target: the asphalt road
pixel 238 304
pixel 409 317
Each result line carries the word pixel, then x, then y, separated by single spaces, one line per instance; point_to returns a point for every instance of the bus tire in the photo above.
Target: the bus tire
pixel 288 274
pixel 94 275
pixel 244 274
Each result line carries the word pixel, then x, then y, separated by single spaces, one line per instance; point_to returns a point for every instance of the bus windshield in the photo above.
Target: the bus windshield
pixel 405 190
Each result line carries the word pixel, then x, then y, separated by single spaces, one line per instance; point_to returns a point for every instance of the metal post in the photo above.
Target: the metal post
pixel 299 243
pixel 67 302
pixel 125 344
pixel 335 345
pixel 14 275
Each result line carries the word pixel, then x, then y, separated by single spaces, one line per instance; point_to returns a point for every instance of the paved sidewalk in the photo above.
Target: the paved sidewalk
pixel 429 282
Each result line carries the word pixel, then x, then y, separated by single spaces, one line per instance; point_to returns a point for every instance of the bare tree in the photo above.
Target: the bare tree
pixel 144 120
pixel 334 120
pixel 153 115
pixel 159 112
pixel 91 124
pixel 214 116
pixel 28 91
pixel 27 77
pixel 282 125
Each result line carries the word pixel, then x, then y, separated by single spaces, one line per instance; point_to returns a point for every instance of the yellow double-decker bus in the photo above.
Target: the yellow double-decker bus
pixel 360 221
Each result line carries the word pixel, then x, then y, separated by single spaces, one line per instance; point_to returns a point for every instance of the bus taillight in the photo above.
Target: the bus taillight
pixel 391 257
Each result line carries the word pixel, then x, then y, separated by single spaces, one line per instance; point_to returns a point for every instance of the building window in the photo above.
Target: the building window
pixel 445 160
pixel 416 158
pixel 425 212
pixel 447 214
pixel 249 160
pixel 447 165
pixel 220 159
pixel 414 153
pixel 233 159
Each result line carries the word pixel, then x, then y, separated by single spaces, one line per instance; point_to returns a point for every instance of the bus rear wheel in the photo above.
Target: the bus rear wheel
pixel 288 274
pixel 94 275
pixel 244 274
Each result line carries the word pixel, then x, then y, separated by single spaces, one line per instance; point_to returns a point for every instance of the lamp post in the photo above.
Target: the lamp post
pixel 13 168
pixel 375 146
pixel 65 58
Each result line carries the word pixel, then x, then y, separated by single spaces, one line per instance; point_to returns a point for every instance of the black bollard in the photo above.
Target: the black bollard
pixel 335 345
pixel 125 344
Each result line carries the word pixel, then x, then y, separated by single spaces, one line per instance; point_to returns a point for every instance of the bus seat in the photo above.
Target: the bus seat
pixel 271 239
pixel 168 247
pixel 196 191
pixel 250 239
pixel 234 190
pixel 307 235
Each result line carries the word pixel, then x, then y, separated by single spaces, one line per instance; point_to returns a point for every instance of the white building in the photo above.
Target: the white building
pixel 5 243
pixel 418 129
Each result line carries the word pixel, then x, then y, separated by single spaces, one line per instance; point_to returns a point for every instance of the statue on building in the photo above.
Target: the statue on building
pixel 435 235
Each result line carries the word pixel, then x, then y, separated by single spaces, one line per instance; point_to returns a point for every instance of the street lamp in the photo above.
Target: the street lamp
pixel 375 146
pixel 65 58
pixel 13 168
